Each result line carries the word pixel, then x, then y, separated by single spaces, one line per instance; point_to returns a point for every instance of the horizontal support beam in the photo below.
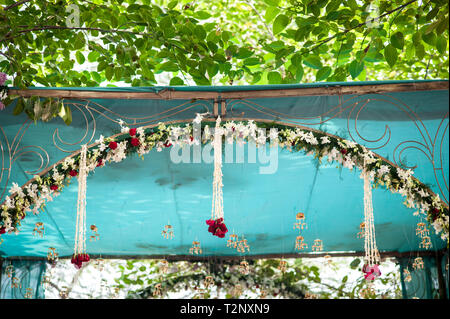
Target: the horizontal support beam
pixel 248 257
pixel 170 94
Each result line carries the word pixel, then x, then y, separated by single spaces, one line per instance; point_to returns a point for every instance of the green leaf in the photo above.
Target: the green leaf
pixel 273 3
pixel 202 15
pixel 323 73
pixel 109 72
pixel 93 56
pixel 172 4
pixel 80 57
pixel 280 23
pixel 19 107
pixel 271 13
pixel 244 53
pixel 355 68
pixel 274 77
pixel 391 55
pixel 68 116
pixel 251 61
pixel 313 62
pixel 441 44
pixel 176 81
pixel 354 264
pixel 420 51
pixel 169 66
pixel 398 40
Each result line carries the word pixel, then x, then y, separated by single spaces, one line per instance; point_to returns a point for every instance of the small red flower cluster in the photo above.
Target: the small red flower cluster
pixel 54 187
pixel 134 141
pixel 217 227
pixel 73 173
pixel 78 260
pixel 2 230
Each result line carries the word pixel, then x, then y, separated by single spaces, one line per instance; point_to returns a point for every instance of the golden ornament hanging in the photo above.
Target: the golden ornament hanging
pixel 29 293
pixel 38 229
pixel 282 266
pixel 407 275
pixel 232 241
pixel 418 263
pixel 244 268
pixel 95 236
pixel 300 244
pixel 362 230
pixel 15 283
pixel 195 249
pixel 300 224
pixel 318 245
pixel 209 281
pixel 9 270
pixel 52 255
pixel 164 266
pixel 243 245
pixel 157 290
pixel 167 232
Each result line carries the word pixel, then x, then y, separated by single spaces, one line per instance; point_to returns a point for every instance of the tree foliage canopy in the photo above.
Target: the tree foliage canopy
pixel 132 42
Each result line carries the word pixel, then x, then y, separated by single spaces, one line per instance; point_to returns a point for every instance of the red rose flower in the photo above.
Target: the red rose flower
pixel 167 144
pixel 73 173
pixel 191 138
pixel 135 141
pixel 99 162
pixel 434 213
pixel 344 151
pixel 132 131
pixel 2 230
pixel 217 227
pixel 54 187
pixel 113 145
pixel 23 216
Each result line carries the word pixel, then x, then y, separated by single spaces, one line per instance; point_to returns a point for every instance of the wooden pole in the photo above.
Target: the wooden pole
pixel 171 94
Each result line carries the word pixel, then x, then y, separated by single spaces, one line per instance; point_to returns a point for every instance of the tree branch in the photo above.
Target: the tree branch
pixel 18 3
pixel 50 27
pixel 361 24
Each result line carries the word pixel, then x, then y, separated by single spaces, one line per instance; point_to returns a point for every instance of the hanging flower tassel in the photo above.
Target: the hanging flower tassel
pixel 372 257
pixel 80 255
pixel 216 225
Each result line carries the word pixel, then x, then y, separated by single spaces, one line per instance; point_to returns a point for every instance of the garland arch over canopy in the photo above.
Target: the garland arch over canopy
pixel 262 238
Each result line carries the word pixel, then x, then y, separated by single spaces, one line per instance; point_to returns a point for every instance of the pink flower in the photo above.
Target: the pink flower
pixel 2 79
pixel 371 272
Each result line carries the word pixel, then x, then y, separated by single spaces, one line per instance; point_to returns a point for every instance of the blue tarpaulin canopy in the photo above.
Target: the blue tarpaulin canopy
pixel 130 202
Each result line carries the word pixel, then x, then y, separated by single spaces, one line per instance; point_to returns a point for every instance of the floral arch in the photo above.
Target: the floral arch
pixel 32 196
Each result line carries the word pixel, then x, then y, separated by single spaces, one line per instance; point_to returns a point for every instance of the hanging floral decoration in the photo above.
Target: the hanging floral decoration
pixel 372 256
pixel 216 224
pixel 79 255
pixel 32 197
